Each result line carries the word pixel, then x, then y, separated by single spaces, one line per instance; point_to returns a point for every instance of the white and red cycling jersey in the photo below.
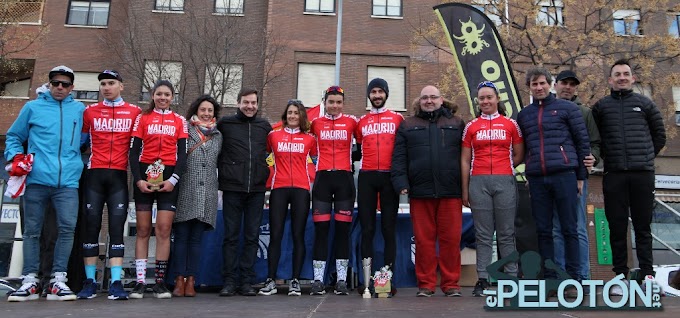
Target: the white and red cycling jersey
pixel 376 133
pixel 290 148
pixel 334 141
pixel 110 127
pixel 491 138
pixel 159 131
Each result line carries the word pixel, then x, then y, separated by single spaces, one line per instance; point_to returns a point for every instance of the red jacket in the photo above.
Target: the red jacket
pixel 291 147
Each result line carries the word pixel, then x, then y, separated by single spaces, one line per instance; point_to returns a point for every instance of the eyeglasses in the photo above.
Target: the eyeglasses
pixel 295 102
pixel 487 84
pixel 432 97
pixel 335 89
pixel 64 84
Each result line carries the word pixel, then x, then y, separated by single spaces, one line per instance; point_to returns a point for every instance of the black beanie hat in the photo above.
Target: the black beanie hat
pixel 378 82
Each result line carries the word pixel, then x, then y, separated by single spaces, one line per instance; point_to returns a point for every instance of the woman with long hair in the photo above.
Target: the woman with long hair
pixel 197 203
pixel 157 159
pixel 291 146
pixel 488 183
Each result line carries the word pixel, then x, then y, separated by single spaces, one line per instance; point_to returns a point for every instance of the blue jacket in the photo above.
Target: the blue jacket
pixel 52 130
pixel 555 136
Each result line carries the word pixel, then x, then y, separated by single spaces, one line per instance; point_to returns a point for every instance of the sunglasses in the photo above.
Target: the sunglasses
pixel 63 84
pixel 295 102
pixel 487 84
pixel 335 89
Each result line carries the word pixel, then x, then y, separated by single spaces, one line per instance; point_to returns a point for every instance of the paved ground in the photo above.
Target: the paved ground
pixel 405 304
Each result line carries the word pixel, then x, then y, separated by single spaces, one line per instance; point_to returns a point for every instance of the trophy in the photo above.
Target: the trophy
pixel 366 263
pixel 154 174
pixel 382 282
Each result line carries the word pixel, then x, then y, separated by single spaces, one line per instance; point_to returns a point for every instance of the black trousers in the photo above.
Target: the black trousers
pixel 630 193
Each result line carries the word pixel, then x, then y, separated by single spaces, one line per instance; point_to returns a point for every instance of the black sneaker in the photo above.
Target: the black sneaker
pixel 453 292
pixel 138 291
pixel 294 288
pixel 318 288
pixel 481 285
pixel 228 290
pixel 161 291
pixel 341 288
pixel 424 292
pixel 247 290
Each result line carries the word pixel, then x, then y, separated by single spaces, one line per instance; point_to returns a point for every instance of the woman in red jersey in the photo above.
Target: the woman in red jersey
pixel 157 159
pixel 492 147
pixel 291 146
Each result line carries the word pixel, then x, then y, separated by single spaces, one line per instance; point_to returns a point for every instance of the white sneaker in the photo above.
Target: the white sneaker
pixel 27 291
pixel 616 290
pixel 649 279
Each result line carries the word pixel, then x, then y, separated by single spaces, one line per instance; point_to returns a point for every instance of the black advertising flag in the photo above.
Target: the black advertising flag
pixel 479 53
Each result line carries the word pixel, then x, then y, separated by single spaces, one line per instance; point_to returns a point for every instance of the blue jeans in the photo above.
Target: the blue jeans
pixel 547 192
pixel 65 203
pixel 241 209
pixel 582 229
pixel 187 254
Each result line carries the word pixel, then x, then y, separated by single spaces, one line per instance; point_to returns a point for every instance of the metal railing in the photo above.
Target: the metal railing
pixel 17 11
pixel 672 212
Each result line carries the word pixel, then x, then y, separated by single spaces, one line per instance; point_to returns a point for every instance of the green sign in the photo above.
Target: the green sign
pixel 604 249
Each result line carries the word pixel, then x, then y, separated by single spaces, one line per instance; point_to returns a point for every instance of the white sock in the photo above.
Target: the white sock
pixel 140 265
pixel 319 270
pixel 341 268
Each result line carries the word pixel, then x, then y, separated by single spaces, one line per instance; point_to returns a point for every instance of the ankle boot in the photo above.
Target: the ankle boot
pixel 189 287
pixel 179 286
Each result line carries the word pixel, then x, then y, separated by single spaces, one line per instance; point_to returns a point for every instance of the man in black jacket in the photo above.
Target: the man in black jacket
pixel 243 173
pixel 633 133
pixel 426 166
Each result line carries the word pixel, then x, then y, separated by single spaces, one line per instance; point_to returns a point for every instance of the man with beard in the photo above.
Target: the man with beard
pixel 375 135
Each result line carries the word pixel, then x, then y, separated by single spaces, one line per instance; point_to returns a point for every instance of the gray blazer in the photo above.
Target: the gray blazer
pixel 198 184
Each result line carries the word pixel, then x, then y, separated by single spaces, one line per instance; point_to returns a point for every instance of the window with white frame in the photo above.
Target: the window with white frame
pixel 674 25
pixel 85 86
pixel 169 5
pixel 313 80
pixel 223 82
pixel 491 8
pixel 320 6
pixel 550 12
pixel 387 8
pixel 396 80
pixel 157 70
pixel 229 6
pixel 642 89
pixel 94 13
pixel 627 22
pixel 676 99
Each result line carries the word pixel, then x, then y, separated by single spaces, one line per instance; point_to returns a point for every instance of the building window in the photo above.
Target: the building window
pixel 642 89
pixel 387 8
pixel 156 70
pixel 86 86
pixel 320 6
pixel 627 22
pixel 396 80
pixel 229 6
pixel 223 82
pixel 312 82
pixel 491 8
pixel 169 5
pixel 95 13
pixel 550 13
pixel 674 25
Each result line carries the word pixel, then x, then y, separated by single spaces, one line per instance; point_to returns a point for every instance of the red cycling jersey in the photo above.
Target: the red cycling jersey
pixel 334 140
pixel 376 133
pixel 291 147
pixel 110 127
pixel 491 138
pixel 159 131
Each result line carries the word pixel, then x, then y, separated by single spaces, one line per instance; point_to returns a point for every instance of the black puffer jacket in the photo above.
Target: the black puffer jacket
pixel 426 157
pixel 242 165
pixel 632 131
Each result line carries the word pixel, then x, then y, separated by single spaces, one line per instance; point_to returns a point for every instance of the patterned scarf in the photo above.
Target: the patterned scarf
pixel 205 128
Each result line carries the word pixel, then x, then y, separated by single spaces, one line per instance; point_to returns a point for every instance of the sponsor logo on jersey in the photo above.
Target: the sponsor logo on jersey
pixel 333 135
pixel 112 125
pixel 491 134
pixel 291 147
pixel 379 128
pixel 156 129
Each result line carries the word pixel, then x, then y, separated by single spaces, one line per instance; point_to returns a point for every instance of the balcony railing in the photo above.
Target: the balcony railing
pixel 22 12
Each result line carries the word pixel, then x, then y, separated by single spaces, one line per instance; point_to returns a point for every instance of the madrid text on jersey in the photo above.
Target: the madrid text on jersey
pixel 290 147
pixel 333 135
pixel 158 129
pixel 491 134
pixel 112 125
pixel 379 128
